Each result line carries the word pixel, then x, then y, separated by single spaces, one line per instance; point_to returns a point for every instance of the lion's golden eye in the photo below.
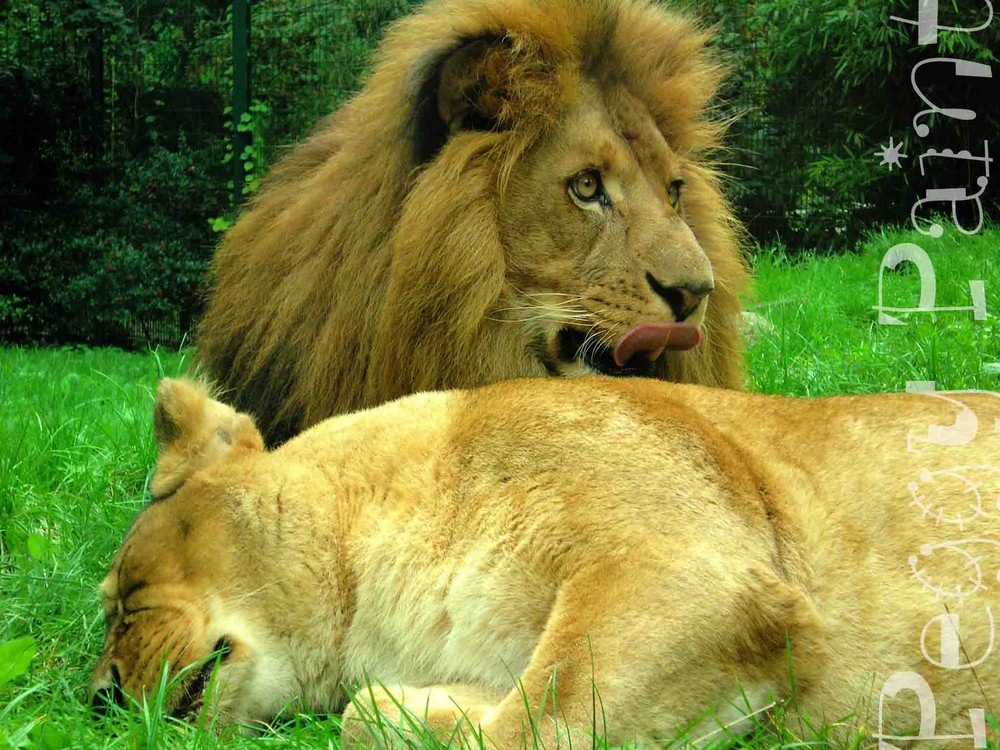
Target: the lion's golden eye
pixel 674 191
pixel 587 186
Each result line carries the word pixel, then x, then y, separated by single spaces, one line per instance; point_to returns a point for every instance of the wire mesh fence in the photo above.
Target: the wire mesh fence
pixel 136 129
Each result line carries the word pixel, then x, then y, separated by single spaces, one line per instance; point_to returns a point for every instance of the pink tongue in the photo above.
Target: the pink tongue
pixel 652 337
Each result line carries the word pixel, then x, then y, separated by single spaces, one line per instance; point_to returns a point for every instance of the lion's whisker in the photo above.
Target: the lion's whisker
pixel 569 297
pixel 548 294
pixel 556 311
pixel 597 339
pixel 592 339
pixel 562 307
pixel 547 317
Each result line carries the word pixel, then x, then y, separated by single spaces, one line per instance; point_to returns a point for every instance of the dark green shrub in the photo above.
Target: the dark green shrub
pixel 823 84
pixel 309 58
pixel 120 264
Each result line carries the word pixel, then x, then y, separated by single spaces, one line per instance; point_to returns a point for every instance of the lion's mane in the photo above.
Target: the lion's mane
pixel 367 266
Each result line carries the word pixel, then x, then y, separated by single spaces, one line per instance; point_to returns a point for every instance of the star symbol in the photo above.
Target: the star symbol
pixel 890 154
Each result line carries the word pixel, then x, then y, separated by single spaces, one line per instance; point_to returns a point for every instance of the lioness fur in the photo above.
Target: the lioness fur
pixel 424 237
pixel 672 556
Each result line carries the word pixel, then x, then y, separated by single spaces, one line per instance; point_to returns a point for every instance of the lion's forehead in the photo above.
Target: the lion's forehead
pixel 615 130
pixel 635 123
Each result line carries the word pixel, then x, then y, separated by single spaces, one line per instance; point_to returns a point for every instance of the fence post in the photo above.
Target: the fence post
pixel 97 102
pixel 241 92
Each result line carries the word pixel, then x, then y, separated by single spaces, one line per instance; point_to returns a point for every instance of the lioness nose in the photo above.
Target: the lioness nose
pixel 108 695
pixel 682 300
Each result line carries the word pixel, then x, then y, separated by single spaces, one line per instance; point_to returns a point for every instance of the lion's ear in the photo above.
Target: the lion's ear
pixel 471 86
pixel 193 431
pixel 483 84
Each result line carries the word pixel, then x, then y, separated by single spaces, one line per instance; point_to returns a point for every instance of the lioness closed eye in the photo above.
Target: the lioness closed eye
pixel 656 547
pixel 522 188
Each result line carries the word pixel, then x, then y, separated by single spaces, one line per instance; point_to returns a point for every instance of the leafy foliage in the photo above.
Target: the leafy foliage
pixel 101 99
pixel 119 262
pixel 822 84
pixel 308 59
pixel 121 162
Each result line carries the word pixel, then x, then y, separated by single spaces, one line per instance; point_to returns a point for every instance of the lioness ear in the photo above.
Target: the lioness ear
pixel 483 84
pixel 193 431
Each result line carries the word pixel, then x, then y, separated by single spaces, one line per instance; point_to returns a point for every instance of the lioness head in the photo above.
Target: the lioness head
pixel 521 189
pixel 173 596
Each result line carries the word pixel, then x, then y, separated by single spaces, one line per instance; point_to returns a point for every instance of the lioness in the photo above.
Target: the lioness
pixel 641 550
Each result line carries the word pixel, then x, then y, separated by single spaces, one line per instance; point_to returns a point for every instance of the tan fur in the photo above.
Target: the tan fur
pixel 365 270
pixel 657 545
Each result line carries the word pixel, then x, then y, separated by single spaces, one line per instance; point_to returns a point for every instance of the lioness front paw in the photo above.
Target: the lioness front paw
pixel 382 717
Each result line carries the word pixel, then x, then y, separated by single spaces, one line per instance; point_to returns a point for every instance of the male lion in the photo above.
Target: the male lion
pixel 521 189
pixel 645 550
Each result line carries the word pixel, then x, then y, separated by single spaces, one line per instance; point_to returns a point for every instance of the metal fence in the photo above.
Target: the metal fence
pixel 94 102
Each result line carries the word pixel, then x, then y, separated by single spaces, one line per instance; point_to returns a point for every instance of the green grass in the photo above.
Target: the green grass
pixel 827 338
pixel 76 450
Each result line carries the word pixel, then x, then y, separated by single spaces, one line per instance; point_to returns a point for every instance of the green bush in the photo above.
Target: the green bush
pixel 106 216
pixel 823 84
pixel 119 262
pixel 307 59
pixel 105 212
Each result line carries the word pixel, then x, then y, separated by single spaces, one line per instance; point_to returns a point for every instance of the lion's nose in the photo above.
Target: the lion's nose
pixel 111 694
pixel 682 300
